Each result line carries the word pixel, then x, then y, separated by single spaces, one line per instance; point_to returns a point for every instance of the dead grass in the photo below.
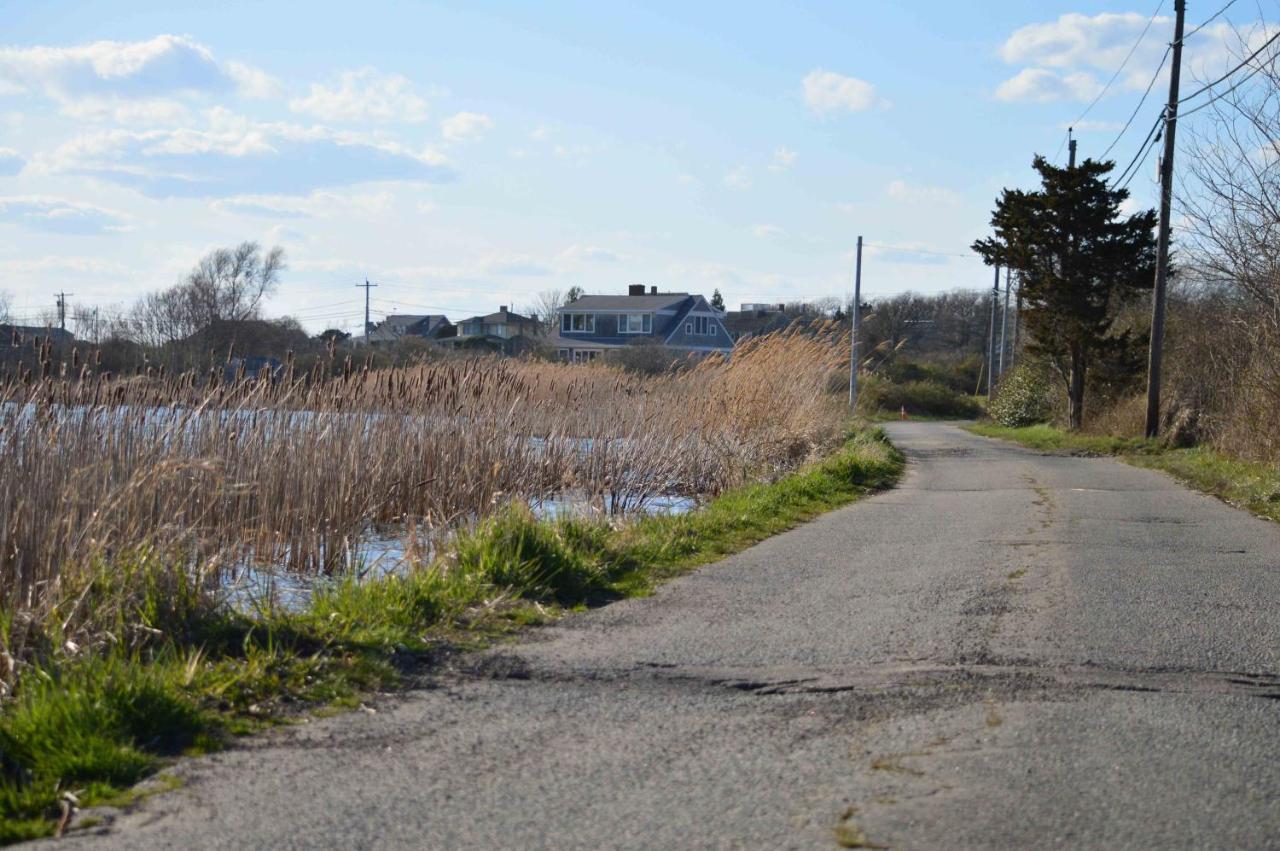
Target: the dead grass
pixel 190 480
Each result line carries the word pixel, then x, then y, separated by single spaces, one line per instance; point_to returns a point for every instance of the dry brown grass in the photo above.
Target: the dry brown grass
pixel 206 477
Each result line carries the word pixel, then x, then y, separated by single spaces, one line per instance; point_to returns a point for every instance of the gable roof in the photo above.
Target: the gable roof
pixel 658 301
pixel 500 317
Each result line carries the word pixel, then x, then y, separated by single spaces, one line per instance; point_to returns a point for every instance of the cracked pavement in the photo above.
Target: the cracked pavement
pixel 1010 649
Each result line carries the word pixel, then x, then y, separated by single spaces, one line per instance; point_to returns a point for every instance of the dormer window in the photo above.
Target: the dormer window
pixel 635 323
pixel 577 323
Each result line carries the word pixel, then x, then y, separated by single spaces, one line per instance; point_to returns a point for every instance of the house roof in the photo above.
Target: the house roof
pixel 500 317
pixel 405 320
pixel 659 301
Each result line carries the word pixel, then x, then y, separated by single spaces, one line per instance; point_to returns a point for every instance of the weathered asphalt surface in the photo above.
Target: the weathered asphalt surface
pixel 1010 650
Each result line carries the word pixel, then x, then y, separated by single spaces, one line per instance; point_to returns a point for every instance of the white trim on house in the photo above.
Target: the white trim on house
pixel 588 322
pixel 646 323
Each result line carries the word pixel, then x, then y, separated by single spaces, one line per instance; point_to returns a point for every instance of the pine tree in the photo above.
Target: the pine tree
pixel 1078 262
pixel 717 301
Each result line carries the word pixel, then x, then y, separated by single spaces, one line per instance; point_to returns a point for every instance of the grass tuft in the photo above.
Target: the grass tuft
pixel 98 721
pixel 1250 485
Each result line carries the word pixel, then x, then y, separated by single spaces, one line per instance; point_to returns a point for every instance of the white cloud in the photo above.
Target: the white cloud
pixel 253 82
pixel 161 67
pixel 686 179
pixel 768 231
pixel 11 162
pixel 63 263
pixel 465 127
pixel 280 234
pixel 589 253
pixel 233 155
pixel 363 95
pixel 826 93
pixel 738 179
pixel 1039 85
pixel 318 204
pixel 904 192
pixel 515 266
pixel 58 215
pixel 783 159
pixel 1069 58
pixel 150 111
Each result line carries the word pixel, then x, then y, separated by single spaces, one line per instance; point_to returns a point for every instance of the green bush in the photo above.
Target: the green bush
pixel 918 398
pixel 1024 396
pixel 961 376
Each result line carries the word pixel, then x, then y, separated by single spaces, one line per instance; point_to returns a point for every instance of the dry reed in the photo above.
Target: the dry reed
pixel 209 477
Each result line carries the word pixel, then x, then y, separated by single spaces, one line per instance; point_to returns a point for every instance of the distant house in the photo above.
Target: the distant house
pixel 427 327
pixel 505 331
pixel 595 324
pixel 752 320
pixel 24 334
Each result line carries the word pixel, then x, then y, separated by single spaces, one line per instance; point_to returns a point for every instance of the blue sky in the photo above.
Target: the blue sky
pixel 466 155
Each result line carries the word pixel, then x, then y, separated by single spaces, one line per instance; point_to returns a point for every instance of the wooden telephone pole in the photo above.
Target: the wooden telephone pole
pixel 1162 243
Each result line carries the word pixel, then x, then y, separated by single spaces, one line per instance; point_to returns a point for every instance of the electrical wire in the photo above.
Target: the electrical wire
pixel 1147 144
pixel 1249 59
pixel 905 250
pixel 1127 57
pixel 1246 78
pixel 1138 108
pixel 1208 21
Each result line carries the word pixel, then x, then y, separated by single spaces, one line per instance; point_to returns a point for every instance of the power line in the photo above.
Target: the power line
pixel 1143 149
pixel 1209 20
pixel 1249 59
pixel 1138 108
pixel 1127 57
pixel 1246 78
pixel 906 250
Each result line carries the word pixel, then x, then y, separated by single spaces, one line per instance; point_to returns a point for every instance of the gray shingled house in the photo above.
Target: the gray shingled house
pixel 595 324
pixel 398 326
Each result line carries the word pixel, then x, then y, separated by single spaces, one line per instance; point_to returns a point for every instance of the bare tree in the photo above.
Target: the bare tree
pixel 544 308
pixel 229 284
pixel 1226 358
pixel 5 301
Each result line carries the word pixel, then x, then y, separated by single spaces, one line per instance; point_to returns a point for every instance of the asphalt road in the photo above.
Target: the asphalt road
pixel 1009 650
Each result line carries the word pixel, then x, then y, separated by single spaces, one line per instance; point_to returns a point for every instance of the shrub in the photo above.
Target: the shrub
pixel 921 398
pixel 1024 396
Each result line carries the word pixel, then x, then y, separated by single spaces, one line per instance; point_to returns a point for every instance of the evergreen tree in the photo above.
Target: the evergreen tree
pixel 1078 262
pixel 717 301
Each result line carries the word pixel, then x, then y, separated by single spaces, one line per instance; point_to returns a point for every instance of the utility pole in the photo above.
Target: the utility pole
pixel 1071 150
pixel 1162 242
pixel 991 346
pixel 857 325
pixel 366 286
pixel 62 310
pixel 1004 318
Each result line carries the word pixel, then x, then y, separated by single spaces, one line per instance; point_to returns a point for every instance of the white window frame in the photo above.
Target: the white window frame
pixel 645 323
pixel 588 323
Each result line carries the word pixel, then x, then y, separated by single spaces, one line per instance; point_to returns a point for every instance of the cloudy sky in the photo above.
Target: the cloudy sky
pixel 465 155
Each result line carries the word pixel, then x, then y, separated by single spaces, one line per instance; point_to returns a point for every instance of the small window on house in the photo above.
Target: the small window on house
pixel 635 323
pixel 578 323
pixel 701 326
pixel 688 328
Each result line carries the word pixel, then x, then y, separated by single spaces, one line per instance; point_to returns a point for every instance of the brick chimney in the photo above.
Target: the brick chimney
pixel 502 309
pixel 635 289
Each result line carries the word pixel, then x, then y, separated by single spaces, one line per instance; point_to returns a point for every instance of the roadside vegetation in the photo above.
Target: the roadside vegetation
pixel 149 526
pixel 81 727
pixel 1080 379
pixel 1251 485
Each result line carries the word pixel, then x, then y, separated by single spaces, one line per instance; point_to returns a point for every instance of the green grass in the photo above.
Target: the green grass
pixel 95 723
pixel 920 399
pixel 1249 485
